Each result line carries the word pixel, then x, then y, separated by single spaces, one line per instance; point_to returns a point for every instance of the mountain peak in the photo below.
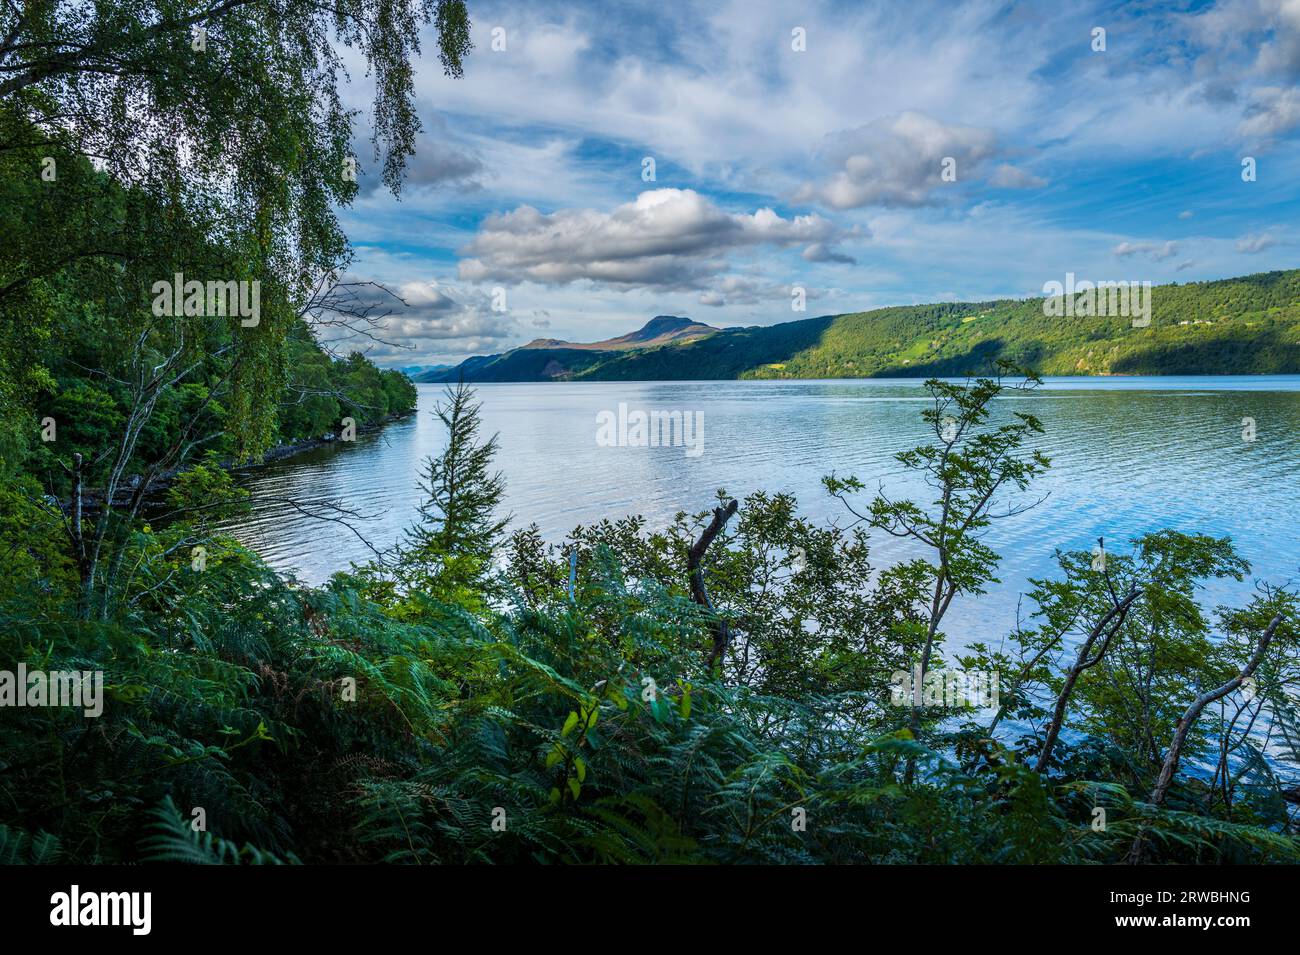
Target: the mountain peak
pixel 658 331
pixel 661 324
pixel 664 328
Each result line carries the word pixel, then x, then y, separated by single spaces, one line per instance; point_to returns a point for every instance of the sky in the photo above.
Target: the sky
pixel 602 163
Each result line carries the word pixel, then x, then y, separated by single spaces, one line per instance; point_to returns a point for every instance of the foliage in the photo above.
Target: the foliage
pixel 153 147
pixel 470 701
pixel 507 720
pixel 447 555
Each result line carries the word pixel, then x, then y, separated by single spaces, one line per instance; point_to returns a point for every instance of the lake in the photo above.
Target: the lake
pixel 1129 455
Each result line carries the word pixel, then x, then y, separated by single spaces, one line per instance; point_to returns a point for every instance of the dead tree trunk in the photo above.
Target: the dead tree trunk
pixel 1189 718
pixel 694 565
pixel 1114 619
pixel 75 526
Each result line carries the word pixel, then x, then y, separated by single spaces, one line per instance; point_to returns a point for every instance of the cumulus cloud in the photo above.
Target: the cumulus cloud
pixel 438 161
pixel 432 313
pixel 1280 54
pixel 1274 111
pixel 897 161
pixel 1255 243
pixel 821 252
pixel 436 164
pixel 561 121
pixel 1156 251
pixel 666 238
pixel 1249 53
pixel 424 317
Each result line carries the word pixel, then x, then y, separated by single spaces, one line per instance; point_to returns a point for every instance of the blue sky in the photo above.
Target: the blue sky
pixel 821 168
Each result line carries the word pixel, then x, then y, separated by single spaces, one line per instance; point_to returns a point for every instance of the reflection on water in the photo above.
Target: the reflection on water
pixel 1129 455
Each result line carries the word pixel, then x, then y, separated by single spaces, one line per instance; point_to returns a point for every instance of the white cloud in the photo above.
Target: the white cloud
pixel 669 238
pixel 1247 59
pixel 897 161
pixel 423 317
pixel 1156 251
pixel 1280 54
pixel 1276 110
pixel 1255 243
pixel 438 161
pixel 821 252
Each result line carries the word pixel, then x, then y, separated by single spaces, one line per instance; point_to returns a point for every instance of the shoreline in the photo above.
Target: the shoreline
pixel 283 452
pixel 92 500
pixel 1050 382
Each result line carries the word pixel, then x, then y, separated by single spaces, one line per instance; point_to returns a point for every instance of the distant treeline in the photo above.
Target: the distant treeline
pixel 1238 326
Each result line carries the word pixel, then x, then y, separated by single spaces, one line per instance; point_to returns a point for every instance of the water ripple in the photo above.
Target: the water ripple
pixel 1128 456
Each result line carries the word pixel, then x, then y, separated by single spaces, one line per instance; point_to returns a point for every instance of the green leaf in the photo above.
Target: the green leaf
pixel 554 756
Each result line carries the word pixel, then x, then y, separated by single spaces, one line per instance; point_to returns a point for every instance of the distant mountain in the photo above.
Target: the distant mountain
pixel 550 358
pixel 660 330
pixel 1248 325
pixel 411 371
pixel 468 369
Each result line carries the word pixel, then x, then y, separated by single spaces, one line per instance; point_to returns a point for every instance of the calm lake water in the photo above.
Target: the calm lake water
pixel 1129 455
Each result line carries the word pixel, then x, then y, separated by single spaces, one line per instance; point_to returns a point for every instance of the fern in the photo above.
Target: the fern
pixel 19 848
pixel 175 840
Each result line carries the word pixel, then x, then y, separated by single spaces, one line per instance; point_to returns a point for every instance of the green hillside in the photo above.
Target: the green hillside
pixel 731 353
pixel 1247 325
pixel 521 364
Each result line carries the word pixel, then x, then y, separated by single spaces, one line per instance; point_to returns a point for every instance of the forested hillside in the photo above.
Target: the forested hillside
pixel 1240 326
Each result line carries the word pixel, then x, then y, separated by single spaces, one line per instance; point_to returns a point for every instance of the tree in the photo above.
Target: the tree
pixel 1243 621
pixel 449 552
pixel 968 469
pixel 1165 643
pixel 206 139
